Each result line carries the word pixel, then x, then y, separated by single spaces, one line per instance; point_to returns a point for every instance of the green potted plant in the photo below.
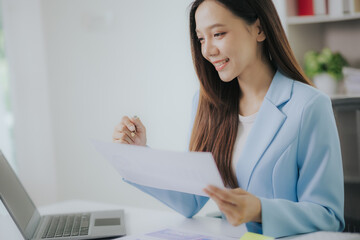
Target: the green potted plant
pixel 325 69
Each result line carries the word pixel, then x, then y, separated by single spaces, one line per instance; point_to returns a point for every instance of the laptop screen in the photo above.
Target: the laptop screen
pixel 14 196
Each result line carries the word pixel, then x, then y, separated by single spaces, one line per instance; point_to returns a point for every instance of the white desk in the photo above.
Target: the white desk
pixel 140 221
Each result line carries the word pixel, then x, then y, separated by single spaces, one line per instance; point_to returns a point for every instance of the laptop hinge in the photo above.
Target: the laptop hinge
pixel 32 225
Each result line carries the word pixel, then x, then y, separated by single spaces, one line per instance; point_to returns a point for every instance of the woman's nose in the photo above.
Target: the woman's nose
pixel 209 49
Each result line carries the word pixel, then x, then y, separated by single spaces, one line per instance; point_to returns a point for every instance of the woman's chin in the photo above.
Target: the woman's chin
pixel 226 79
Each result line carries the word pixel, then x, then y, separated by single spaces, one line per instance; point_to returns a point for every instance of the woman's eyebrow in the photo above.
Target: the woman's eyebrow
pixel 212 26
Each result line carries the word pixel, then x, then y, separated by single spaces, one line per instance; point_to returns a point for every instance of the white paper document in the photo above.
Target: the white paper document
pixel 173 234
pixel 188 172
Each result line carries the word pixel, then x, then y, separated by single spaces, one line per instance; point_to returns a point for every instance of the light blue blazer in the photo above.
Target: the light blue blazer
pixel 291 161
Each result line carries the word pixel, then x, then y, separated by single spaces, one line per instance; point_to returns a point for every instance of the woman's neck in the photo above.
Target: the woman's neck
pixel 254 84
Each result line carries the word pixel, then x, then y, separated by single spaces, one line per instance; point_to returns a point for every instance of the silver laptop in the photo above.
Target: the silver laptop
pixel 88 225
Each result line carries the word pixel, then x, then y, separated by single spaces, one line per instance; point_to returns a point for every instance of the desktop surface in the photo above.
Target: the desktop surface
pixel 140 221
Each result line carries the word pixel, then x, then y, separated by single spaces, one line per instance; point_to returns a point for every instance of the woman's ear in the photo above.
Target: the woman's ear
pixel 260 32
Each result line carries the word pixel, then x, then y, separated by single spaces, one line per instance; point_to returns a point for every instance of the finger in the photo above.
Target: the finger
pixel 216 198
pixel 128 123
pixel 223 194
pixel 120 130
pixel 227 208
pixel 127 139
pixel 218 201
pixel 124 137
pixel 121 141
pixel 239 191
pixel 118 133
pixel 139 125
pixel 234 219
pixel 231 212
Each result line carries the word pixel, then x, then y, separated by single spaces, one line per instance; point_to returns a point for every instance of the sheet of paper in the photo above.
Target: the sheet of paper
pixel 188 172
pixel 172 234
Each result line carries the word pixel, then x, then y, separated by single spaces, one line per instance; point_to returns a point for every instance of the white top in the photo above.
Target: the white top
pixel 245 125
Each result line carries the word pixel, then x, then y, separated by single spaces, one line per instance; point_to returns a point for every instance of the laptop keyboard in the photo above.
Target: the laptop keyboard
pixel 67 225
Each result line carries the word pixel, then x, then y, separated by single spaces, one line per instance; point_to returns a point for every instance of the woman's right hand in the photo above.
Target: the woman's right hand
pixel 130 131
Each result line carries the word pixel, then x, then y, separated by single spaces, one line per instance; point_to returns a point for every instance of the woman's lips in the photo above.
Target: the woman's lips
pixel 221 64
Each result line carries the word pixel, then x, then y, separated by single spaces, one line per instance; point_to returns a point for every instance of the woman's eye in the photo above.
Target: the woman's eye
pixel 219 34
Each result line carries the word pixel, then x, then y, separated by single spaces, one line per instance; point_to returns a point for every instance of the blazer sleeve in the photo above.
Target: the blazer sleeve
pixel 184 203
pixel 320 186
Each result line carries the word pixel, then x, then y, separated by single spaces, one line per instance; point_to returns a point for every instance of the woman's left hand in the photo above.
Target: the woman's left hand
pixel 238 205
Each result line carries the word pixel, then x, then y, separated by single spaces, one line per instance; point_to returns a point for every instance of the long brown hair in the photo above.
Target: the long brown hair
pixel 216 122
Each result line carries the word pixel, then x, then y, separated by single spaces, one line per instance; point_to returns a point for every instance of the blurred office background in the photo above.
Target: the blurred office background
pixel 70 69
pixel 74 68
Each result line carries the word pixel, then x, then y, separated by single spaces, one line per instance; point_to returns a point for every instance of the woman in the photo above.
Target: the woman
pixel 273 136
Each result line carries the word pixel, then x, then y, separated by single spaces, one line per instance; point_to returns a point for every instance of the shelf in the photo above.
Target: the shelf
pixel 352 180
pixel 345 96
pixel 296 20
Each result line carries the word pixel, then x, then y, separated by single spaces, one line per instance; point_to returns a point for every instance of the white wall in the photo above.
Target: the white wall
pixel 5 117
pixel 24 43
pixel 281 6
pixel 5 145
pixel 107 59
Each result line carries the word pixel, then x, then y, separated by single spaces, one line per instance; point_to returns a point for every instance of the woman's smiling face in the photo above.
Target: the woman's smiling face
pixel 227 41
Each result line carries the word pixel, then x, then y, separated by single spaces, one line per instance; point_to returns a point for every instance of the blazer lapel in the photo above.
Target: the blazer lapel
pixel 267 124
